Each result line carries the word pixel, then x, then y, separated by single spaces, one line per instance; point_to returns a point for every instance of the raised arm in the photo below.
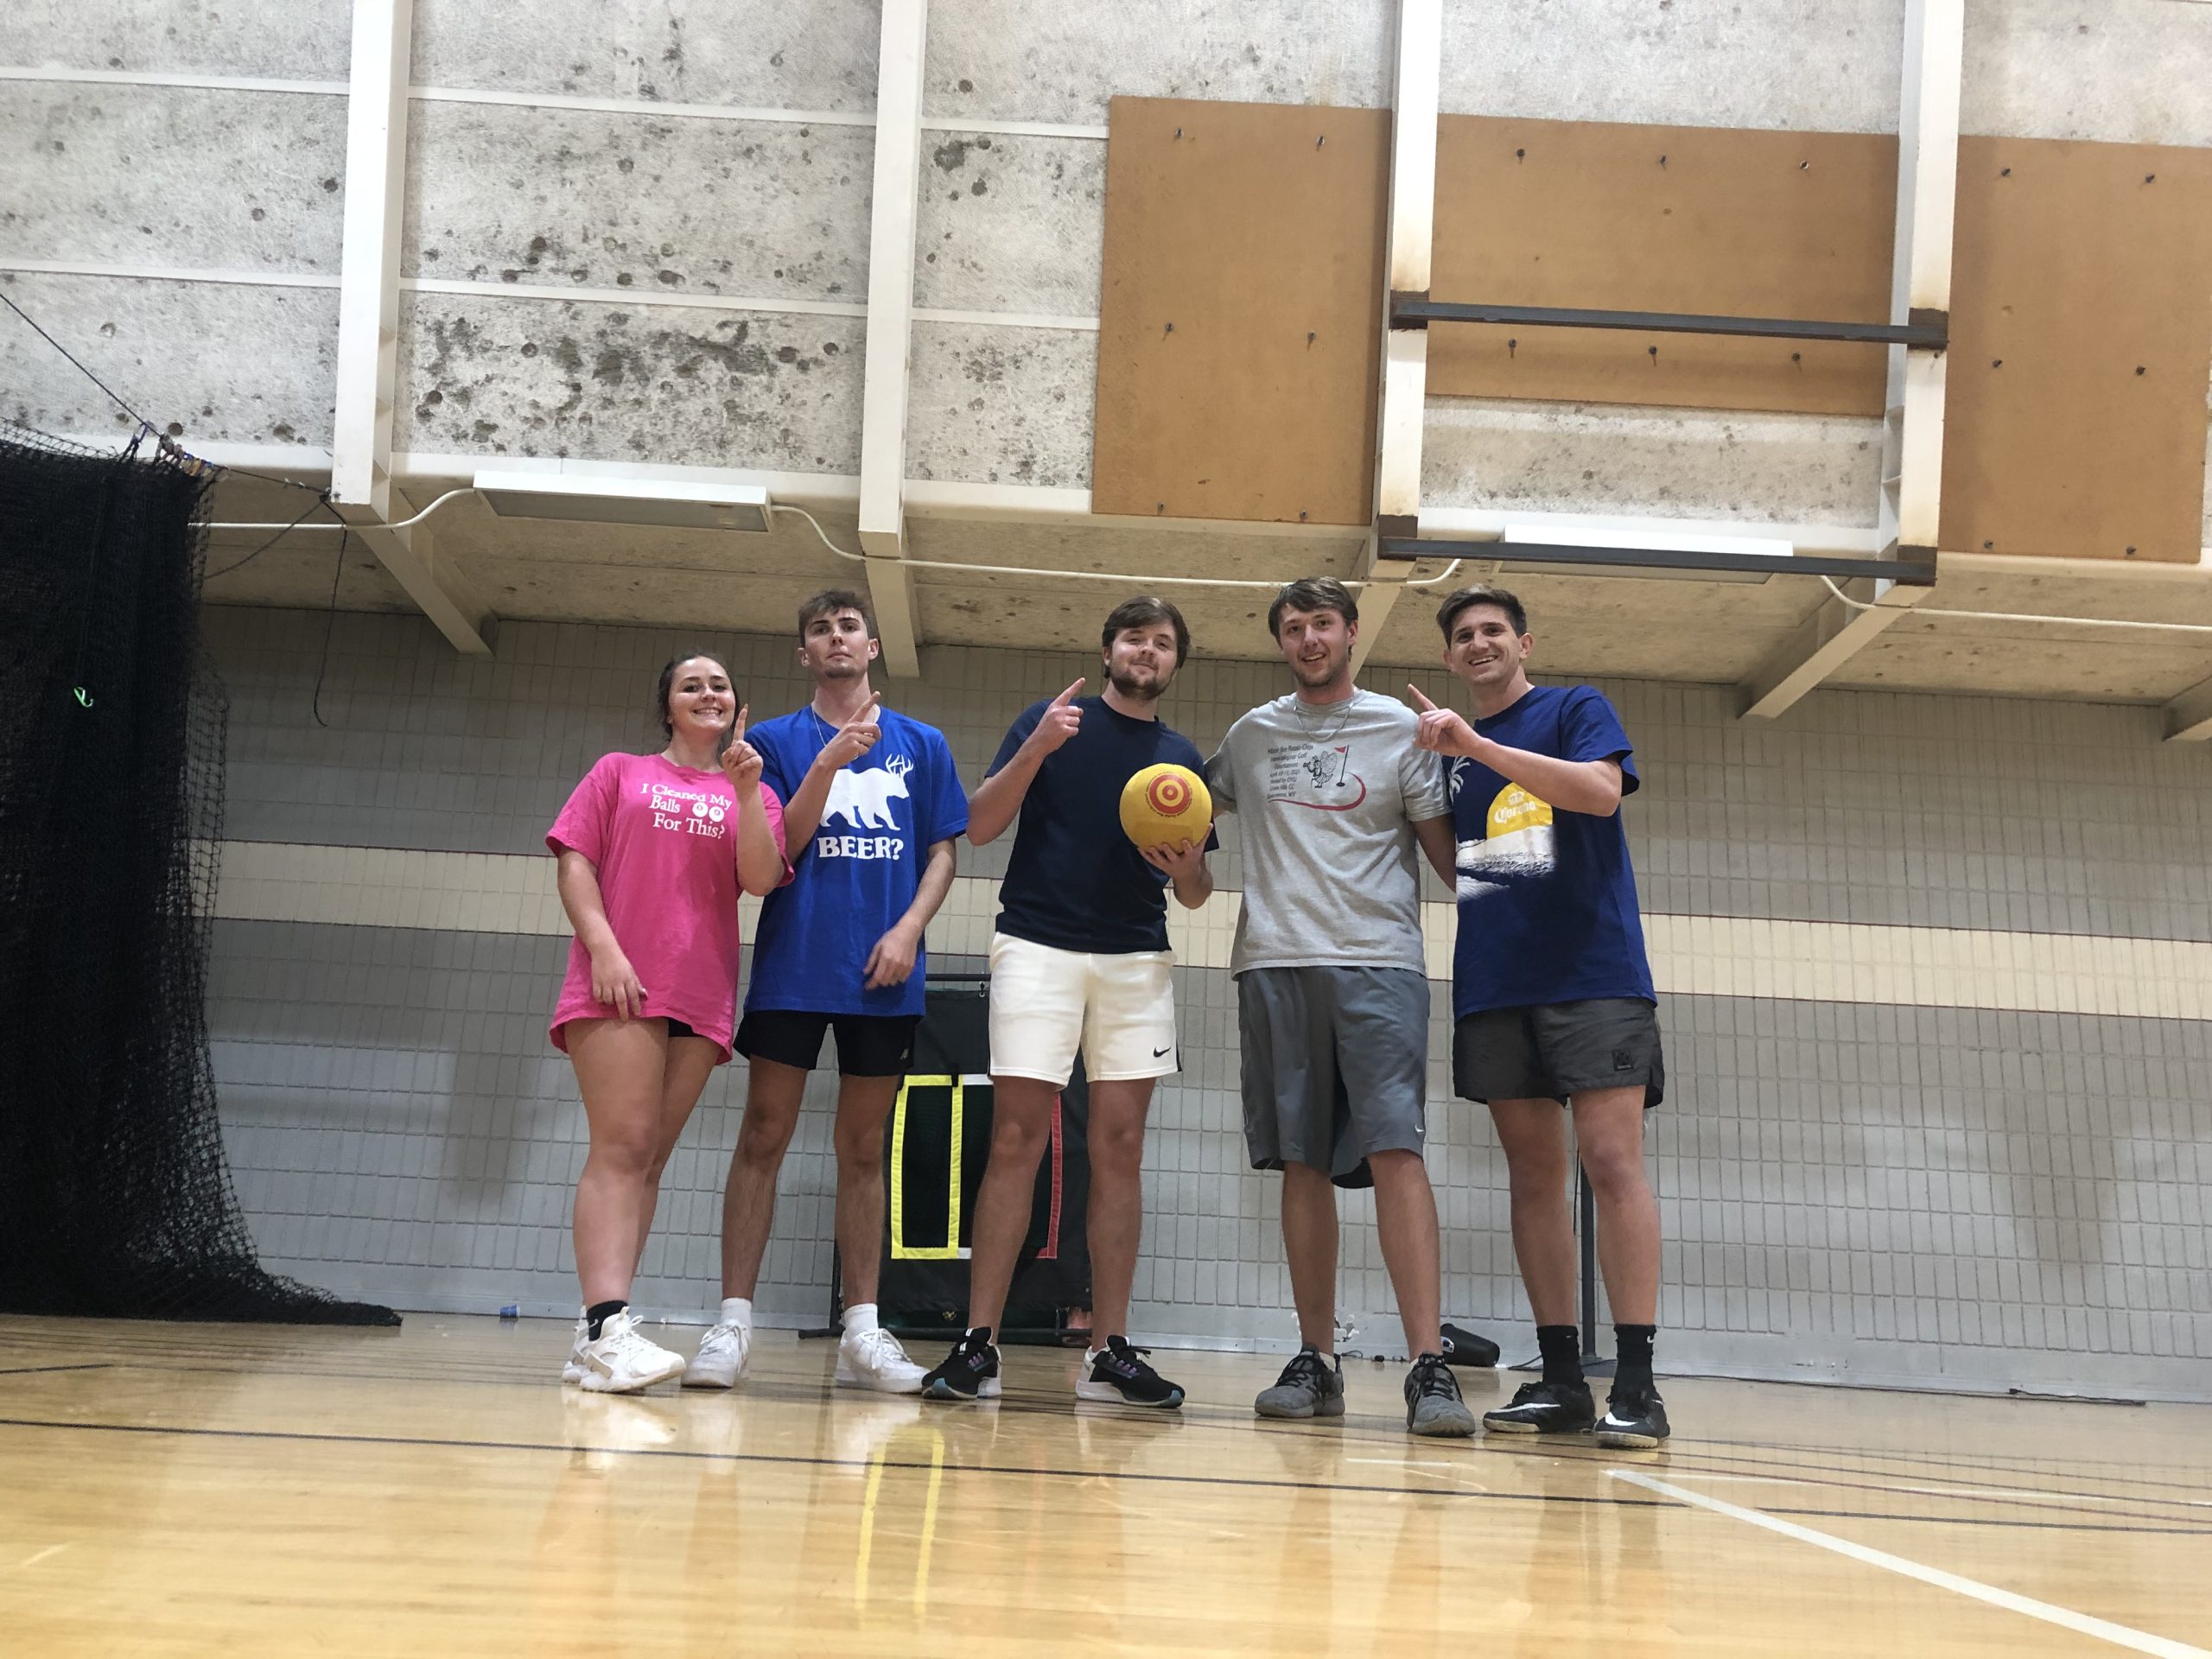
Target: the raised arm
pixel 803 812
pixel 759 851
pixel 1592 787
pixel 998 803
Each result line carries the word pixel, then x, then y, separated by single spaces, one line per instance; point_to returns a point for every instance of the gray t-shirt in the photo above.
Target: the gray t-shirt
pixel 1328 797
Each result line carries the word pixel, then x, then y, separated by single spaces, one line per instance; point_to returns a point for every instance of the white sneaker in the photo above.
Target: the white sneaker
pixel 623 1361
pixel 874 1359
pixel 722 1353
pixel 573 1372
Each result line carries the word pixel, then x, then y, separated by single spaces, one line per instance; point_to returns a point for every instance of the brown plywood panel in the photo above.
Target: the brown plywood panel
pixel 1631 218
pixel 1240 317
pixel 2080 344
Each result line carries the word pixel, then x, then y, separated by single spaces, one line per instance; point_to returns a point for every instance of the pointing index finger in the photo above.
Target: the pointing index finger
pixel 1068 695
pixel 1420 700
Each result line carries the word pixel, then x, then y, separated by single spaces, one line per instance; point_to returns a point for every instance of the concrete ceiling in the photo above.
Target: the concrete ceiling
pixel 1662 629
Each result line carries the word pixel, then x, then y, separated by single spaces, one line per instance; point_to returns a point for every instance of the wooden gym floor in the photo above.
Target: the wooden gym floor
pixel 248 1490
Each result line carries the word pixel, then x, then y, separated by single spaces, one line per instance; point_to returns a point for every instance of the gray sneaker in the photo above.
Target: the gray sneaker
pixel 1433 1402
pixel 1309 1387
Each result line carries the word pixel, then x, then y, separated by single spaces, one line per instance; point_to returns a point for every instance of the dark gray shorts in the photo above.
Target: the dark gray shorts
pixel 1336 1066
pixel 1558 1050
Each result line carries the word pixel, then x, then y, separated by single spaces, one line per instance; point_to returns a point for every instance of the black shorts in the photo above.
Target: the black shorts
pixel 868 1044
pixel 1558 1050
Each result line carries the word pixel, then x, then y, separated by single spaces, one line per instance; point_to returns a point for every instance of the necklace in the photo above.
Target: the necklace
pixel 1298 707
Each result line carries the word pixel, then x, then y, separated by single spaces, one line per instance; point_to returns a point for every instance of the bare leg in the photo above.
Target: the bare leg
pixel 772 1097
pixel 1022 1124
pixel 620 1065
pixel 1609 1135
pixel 1115 1218
pixel 1534 1135
pixel 1309 1240
pixel 863 1107
pixel 1405 1211
pixel 690 1061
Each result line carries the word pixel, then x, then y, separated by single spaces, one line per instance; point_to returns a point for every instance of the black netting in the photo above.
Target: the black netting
pixel 115 1196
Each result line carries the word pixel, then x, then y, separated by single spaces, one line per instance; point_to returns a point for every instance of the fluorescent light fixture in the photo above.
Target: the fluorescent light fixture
pixel 1643 542
pixel 608 498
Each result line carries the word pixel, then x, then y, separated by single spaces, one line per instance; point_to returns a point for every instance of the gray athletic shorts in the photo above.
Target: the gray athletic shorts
pixel 1558 1050
pixel 1336 1066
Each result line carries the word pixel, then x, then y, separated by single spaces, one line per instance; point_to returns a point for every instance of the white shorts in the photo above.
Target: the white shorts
pixel 1118 1008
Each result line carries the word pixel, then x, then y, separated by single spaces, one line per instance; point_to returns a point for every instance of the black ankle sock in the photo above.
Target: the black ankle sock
pixel 1632 1347
pixel 1562 1347
pixel 599 1314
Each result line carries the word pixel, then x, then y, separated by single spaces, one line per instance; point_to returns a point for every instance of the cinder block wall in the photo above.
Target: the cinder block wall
pixel 1938 1004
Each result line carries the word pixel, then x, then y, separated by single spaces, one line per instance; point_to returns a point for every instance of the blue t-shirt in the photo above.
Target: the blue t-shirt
pixel 1075 881
pixel 1547 900
pixel 858 876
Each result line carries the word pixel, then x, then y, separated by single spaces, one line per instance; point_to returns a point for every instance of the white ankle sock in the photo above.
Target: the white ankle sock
pixel 859 1318
pixel 738 1309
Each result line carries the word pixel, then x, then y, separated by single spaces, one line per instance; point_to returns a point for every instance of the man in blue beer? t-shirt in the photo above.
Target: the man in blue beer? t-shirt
pixel 872 807
pixel 1551 1002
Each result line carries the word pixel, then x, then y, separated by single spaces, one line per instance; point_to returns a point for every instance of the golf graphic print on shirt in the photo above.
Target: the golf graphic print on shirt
pixel 1317 775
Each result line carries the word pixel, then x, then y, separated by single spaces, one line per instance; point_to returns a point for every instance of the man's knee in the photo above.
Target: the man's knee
pixel 764 1134
pixel 1615 1165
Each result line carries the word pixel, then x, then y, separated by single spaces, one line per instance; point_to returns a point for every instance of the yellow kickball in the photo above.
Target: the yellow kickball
pixel 1165 804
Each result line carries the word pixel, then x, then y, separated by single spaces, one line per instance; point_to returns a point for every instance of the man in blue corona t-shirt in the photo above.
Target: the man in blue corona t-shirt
pixel 1080 959
pixel 1552 1000
pixel 872 807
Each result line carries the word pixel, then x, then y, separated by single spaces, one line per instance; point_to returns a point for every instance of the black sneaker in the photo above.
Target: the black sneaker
pixel 1635 1419
pixel 970 1371
pixel 1309 1387
pixel 1116 1372
pixel 1433 1402
pixel 1542 1408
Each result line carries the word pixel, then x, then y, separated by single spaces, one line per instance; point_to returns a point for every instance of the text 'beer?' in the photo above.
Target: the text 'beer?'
pixel 1164 804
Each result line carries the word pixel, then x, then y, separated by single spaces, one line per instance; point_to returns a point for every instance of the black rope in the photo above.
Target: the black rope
pixel 112 397
pixel 145 426
pixel 322 497
pixel 330 618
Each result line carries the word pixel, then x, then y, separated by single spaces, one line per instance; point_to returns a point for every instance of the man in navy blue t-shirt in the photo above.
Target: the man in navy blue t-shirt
pixel 1080 959
pixel 872 807
pixel 1552 1000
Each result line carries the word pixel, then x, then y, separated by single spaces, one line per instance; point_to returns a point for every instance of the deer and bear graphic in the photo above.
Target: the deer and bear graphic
pixel 863 799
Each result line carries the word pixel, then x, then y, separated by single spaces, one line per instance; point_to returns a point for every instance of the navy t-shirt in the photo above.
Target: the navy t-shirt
pixel 1547 900
pixel 860 872
pixel 1075 881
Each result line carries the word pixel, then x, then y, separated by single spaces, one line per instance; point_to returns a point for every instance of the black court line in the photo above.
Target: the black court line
pixel 32 1370
pixel 1033 1471
pixel 1687 1459
pixel 2066 1467
pixel 1742 1468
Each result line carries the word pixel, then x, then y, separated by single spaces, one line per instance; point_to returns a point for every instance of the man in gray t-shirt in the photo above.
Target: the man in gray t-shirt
pixel 1337 804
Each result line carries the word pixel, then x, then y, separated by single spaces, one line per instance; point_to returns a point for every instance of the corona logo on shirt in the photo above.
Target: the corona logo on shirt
pixel 1518 843
pixel 863 800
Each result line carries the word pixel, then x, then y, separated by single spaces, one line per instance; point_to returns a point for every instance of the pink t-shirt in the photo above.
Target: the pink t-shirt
pixel 662 838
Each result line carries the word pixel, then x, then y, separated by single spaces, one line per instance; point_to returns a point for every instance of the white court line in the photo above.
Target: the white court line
pixel 2065 1617
pixel 33 1560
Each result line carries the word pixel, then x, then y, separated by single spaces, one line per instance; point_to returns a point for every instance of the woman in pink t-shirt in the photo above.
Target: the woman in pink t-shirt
pixel 653 850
